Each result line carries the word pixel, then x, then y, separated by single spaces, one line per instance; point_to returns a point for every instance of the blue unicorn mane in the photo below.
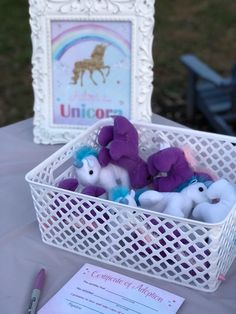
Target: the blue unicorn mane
pixel 84 152
pixel 117 192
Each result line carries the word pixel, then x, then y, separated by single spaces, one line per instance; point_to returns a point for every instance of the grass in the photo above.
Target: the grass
pixel 16 96
pixel 204 27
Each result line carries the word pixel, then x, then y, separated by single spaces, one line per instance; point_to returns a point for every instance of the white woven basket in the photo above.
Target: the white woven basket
pixel 183 251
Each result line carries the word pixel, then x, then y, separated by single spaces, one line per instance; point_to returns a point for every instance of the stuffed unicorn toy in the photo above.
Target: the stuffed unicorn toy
pixel 172 172
pixel 222 194
pixel 178 204
pixel 90 172
pixel 120 146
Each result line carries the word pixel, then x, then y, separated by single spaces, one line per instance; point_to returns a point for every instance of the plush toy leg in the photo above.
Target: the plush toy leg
pixel 139 175
pixel 126 132
pixel 104 156
pixel 119 148
pixel 105 136
pixel 174 208
pixel 167 158
pixel 163 184
pixel 150 199
pixel 211 213
pixel 122 126
pixel 172 161
pixel 92 190
pixel 70 184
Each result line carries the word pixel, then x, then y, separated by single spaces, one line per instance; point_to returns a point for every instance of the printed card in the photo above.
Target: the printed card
pixel 97 290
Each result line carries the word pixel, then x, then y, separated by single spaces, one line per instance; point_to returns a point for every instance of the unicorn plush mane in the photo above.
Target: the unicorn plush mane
pixel 123 195
pixel 82 153
pixel 119 192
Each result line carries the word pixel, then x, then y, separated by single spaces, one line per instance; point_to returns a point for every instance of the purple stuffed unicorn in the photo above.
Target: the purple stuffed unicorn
pixel 178 172
pixel 119 145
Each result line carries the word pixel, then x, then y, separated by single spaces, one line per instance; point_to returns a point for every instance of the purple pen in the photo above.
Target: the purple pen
pixel 37 288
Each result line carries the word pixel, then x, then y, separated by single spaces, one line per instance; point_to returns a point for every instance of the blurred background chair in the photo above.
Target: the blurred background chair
pixel 212 94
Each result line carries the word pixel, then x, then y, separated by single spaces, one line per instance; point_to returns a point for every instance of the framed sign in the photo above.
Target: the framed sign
pixel 91 60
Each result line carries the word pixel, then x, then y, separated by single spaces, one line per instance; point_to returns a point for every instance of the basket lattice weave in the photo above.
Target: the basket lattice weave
pixel 183 251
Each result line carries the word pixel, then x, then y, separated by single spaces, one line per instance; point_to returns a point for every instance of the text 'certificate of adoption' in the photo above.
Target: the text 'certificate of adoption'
pixel 97 290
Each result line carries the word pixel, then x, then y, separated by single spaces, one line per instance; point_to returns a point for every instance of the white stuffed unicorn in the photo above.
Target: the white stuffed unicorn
pixel 90 172
pixel 178 204
pixel 222 194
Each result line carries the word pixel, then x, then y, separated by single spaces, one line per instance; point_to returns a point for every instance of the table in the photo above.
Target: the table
pixel 22 253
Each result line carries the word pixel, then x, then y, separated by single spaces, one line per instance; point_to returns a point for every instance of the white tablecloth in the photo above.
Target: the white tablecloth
pixel 22 253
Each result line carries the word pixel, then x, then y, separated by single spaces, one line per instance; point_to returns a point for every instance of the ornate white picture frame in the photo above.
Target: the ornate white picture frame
pixel 91 59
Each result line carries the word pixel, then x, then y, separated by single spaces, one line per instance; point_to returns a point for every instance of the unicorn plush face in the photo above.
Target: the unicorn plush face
pixel 196 192
pixel 222 197
pixel 88 170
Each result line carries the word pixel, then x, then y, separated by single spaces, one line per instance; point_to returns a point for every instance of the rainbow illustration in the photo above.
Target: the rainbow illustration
pixel 88 32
